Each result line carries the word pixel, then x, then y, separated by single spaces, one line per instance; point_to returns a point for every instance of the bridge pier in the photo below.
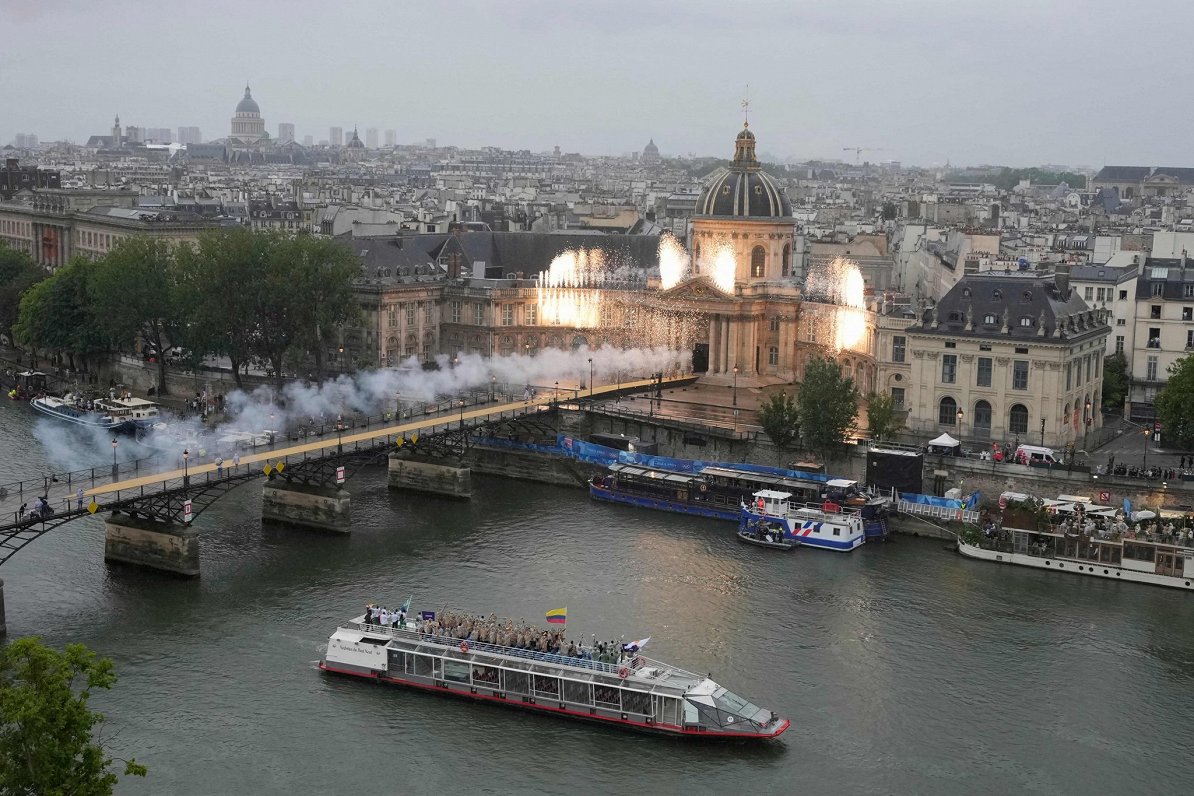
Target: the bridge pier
pixel 433 478
pixel 323 508
pixel 167 546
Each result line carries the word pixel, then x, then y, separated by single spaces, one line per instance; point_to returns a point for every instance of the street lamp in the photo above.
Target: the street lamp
pixel 461 414
pixel 397 407
pixel 455 360
pixel 492 388
pixel 1042 432
pixel 341 359
pixel 1148 433
pixel 735 401
pixel 526 349
pixel 339 433
pixel 186 477
pixel 961 414
pixel 1086 418
pixel 590 377
pixel 114 468
pixel 556 396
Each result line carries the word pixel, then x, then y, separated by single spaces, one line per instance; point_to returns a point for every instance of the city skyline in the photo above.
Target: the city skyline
pixel 924 84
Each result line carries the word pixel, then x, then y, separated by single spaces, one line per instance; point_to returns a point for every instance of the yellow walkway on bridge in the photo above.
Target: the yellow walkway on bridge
pixel 333 440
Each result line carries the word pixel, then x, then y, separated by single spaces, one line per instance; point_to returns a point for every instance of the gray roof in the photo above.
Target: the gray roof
pixel 1111 274
pixel 980 305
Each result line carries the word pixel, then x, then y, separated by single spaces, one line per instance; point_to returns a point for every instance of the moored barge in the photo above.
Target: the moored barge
pixel 638 693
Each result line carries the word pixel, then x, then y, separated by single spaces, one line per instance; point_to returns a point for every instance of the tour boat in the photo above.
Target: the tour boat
pixel 108 414
pixel 1115 552
pixel 639 693
pixel 715 491
pixel 829 525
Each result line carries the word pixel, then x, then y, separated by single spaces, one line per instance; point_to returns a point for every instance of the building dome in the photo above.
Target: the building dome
pixel 743 189
pixel 355 142
pixel 650 148
pixel 248 104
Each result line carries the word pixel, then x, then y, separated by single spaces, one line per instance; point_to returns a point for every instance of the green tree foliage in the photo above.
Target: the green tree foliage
pixel 828 404
pixel 1175 403
pixel 323 271
pixel 136 291
pixel 890 211
pixel 780 418
pixel 56 315
pixel 1008 178
pixel 219 278
pixel 1116 381
pixel 883 417
pixel 18 273
pixel 48 733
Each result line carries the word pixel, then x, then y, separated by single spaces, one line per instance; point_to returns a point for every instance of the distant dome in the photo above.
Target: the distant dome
pixel 248 104
pixel 355 141
pixel 743 189
pixel 650 148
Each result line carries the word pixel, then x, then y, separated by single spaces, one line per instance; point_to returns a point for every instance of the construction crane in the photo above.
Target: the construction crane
pixel 858 150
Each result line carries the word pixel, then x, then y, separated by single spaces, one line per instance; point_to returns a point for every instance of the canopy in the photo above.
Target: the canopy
pixel 945 441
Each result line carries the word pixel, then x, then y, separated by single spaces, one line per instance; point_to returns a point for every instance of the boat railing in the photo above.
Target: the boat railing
pixel 633 663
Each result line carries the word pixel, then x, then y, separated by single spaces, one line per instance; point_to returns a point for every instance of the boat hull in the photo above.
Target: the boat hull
pixel 747 539
pixel 83 419
pixel 663 504
pixel 540 706
pixel 1076 567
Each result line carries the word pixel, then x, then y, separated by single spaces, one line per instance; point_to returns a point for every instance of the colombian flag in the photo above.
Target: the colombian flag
pixel 558 616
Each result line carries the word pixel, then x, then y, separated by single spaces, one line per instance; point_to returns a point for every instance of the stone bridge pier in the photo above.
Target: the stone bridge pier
pixel 320 507
pixel 156 544
pixel 435 478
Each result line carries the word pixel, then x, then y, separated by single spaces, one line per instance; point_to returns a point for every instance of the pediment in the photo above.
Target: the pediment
pixel 697 288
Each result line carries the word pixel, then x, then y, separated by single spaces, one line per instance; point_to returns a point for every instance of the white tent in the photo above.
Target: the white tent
pixel 945 441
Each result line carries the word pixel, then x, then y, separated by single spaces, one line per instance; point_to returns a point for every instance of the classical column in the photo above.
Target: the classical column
pixel 734 354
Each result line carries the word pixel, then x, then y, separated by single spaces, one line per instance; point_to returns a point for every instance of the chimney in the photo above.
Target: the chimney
pixel 1061 278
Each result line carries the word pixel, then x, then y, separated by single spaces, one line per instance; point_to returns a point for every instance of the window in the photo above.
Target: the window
pixel 898 345
pixel 1026 320
pixel 478 313
pixel 455 312
pixel 1120 322
pixel 1018 419
pixel 1188 313
pixel 947 412
pixel 393 317
pixel 1154 311
pixel 507 315
pixel 1101 294
pixel 775 324
pixel 897 397
pixel 758 262
pixel 990 320
pixel 1088 294
pixel 1119 347
pixel 1020 374
pixel 1188 291
pixel 1150 372
pixel 1069 377
pixel 984 372
pixel 1021 350
pixel 1157 288
pixel 773 356
pixel 984 347
pixel 786 266
pixel 951 344
pixel 997 295
pixel 410 316
pixel 1190 338
pixel 1123 295
pixel 949 368
pixel 1088 367
pixel 982 418
pixel 532 314
pixel 1154 337
pixel 427 314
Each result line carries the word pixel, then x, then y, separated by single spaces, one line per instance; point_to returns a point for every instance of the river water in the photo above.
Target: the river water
pixel 904 668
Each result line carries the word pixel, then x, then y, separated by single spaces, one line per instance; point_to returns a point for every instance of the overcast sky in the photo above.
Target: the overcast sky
pixel 1018 82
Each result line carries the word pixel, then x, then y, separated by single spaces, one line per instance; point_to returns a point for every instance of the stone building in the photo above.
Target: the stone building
pixel 1008 357
pixel 247 125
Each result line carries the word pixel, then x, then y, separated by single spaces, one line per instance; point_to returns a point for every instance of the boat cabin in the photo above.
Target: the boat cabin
pixel 128 408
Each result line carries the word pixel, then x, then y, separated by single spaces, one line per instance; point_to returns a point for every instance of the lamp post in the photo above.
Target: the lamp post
pixel 961 415
pixel 339 433
pixel 526 349
pixel 556 395
pixel 1148 433
pixel 341 359
pixel 115 469
pixel 1086 421
pixel 1042 432
pixel 455 360
pixel 397 407
pixel 461 414
pixel 186 476
pixel 590 377
pixel 492 388
pixel 735 399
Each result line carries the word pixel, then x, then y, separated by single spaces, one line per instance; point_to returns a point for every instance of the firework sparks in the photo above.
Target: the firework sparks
pixel 839 283
pixel 673 261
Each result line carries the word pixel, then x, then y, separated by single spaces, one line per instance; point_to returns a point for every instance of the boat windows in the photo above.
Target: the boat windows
pixel 607 696
pixel 636 702
pixel 1139 552
pixel 667 710
pixel 485 675
pixel 577 693
pixel 733 703
pixel 517 682
pixel 420 665
pixel 377 642
pixel 457 671
pixel 396 661
pixel 837 531
pixel 547 686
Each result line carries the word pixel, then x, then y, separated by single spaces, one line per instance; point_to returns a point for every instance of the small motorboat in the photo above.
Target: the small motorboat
pixel 760 538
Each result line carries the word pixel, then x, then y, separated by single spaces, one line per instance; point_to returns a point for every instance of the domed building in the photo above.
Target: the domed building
pixel 650 155
pixel 355 150
pixel 247 125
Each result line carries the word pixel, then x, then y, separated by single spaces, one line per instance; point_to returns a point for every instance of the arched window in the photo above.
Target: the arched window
pixel 1065 418
pixel 1017 420
pixel 787 263
pixel 758 262
pixel 982 419
pixel 947 412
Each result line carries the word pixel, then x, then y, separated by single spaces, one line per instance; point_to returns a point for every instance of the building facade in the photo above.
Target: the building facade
pixel 1163 329
pixel 247 125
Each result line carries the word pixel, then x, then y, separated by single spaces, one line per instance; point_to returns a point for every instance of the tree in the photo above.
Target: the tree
pixel 1175 403
pixel 18 273
pixel 56 314
pixel 323 274
pixel 780 418
pixel 136 290
pixel 828 404
pixel 48 733
pixel 883 417
pixel 219 279
pixel 279 314
pixel 1116 381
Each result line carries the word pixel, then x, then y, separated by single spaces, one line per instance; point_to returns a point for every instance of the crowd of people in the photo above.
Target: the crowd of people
pixel 1114 527
pixel 503 633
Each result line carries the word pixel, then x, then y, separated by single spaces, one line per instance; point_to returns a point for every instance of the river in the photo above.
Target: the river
pixel 904 668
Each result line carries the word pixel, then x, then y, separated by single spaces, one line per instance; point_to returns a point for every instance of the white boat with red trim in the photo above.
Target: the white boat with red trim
pixel 637 693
